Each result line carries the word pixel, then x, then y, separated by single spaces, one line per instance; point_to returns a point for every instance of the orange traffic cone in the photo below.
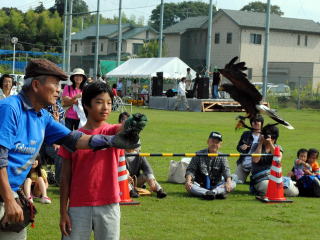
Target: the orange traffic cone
pixel 275 193
pixel 124 184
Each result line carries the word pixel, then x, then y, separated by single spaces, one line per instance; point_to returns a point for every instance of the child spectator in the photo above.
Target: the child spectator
pixel 301 167
pixel 36 183
pixel 313 155
pixel 309 185
pixel 90 192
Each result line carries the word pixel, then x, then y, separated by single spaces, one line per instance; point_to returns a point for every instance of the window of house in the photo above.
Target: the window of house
pixel 255 38
pixel 75 47
pixel 137 47
pixel 217 38
pixel 101 47
pixel 306 40
pixel 229 38
pixel 93 47
pixel 298 41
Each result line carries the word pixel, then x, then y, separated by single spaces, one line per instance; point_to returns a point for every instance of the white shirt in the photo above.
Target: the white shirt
pixel 182 88
pixel 12 92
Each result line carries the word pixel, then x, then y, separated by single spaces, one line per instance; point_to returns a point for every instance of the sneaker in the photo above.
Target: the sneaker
pixel 134 193
pixel 45 200
pixel 161 193
pixel 221 196
pixel 209 195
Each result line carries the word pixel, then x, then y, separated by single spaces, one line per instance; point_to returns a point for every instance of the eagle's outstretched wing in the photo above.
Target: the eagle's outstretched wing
pixel 264 109
pixel 245 92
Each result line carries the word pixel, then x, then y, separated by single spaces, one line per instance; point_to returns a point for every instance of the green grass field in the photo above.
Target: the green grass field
pixel 179 216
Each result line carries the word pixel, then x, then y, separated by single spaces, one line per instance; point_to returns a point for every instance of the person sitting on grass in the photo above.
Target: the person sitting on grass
pixel 300 167
pixel 247 144
pixel 209 177
pixel 140 169
pixel 261 165
pixel 309 183
pixel 36 183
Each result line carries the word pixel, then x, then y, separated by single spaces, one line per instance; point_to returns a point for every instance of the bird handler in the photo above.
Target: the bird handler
pixel 26 125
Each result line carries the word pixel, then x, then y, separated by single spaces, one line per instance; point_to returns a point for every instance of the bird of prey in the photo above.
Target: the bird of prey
pixel 246 93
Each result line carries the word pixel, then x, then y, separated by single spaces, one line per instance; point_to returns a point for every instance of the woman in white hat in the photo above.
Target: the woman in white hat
pixel 71 95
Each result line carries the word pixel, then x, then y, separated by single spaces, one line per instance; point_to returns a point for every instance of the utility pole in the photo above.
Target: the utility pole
pixel 208 57
pixel 161 29
pixel 64 35
pixel 14 41
pixel 119 34
pixel 97 40
pixel 265 55
pixel 69 36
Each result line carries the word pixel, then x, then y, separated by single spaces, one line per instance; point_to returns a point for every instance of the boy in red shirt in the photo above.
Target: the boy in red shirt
pixel 89 185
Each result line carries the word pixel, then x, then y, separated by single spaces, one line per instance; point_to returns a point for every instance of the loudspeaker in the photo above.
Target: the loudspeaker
pixel 157 84
pixel 203 88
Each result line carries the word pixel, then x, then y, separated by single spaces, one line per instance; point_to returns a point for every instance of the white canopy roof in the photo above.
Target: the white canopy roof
pixel 172 67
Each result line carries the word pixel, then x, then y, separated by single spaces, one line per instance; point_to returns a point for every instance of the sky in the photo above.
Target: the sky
pixel 305 9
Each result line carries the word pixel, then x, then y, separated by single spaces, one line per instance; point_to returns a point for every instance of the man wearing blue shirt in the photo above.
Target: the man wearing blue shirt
pixel 25 125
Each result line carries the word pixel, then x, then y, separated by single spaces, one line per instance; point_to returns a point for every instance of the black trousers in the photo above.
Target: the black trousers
pixel 72 124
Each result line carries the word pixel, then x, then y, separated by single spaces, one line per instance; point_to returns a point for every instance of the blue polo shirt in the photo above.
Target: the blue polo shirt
pixel 22 132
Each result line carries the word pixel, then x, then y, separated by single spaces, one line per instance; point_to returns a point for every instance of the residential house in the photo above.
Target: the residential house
pixel 83 43
pixel 294 45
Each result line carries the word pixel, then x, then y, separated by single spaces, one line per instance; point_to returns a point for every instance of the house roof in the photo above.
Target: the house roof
pixel 188 23
pixel 249 20
pixel 257 20
pixel 110 30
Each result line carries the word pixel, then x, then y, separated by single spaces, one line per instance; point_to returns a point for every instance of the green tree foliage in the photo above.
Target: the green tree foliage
pixel 151 49
pixel 78 6
pixel 41 31
pixel 261 7
pixel 176 12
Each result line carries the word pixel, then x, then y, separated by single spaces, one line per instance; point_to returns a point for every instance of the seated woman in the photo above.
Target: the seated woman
pixel 36 184
pixel 261 165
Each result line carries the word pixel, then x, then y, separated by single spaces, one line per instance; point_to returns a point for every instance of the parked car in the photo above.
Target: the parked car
pixel 279 90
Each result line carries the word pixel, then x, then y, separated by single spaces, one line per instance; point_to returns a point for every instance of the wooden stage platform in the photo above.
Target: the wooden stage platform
pixel 196 105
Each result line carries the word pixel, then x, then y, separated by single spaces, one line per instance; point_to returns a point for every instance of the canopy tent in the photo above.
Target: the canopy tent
pixel 172 68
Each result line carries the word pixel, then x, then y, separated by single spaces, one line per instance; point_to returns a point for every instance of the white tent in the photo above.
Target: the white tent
pixel 172 68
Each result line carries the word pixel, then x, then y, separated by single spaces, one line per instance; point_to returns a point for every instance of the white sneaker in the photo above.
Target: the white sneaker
pixel 45 200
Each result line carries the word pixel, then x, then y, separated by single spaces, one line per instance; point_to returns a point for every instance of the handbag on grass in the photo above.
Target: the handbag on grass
pixel 29 212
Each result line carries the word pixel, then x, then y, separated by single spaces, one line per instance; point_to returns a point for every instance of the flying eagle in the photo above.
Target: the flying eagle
pixel 245 93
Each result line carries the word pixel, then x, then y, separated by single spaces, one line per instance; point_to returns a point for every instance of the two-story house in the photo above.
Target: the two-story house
pixel 83 43
pixel 294 45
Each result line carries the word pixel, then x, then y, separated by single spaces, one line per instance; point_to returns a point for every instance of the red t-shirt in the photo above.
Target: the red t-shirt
pixel 94 180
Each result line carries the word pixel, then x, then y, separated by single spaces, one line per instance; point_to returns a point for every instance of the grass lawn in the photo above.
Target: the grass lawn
pixel 179 216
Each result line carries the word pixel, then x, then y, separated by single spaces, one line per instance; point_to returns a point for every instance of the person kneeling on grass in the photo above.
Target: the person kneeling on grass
pixel 204 174
pixel 140 169
pixel 36 184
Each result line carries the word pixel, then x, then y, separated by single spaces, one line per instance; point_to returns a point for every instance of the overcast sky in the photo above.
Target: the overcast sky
pixel 306 9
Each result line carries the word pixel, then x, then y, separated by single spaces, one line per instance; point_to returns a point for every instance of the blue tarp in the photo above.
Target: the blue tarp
pixel 10 52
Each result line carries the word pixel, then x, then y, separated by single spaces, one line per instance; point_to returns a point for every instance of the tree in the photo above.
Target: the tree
pixel 78 6
pixel 176 12
pixel 151 49
pixel 40 8
pixel 261 7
